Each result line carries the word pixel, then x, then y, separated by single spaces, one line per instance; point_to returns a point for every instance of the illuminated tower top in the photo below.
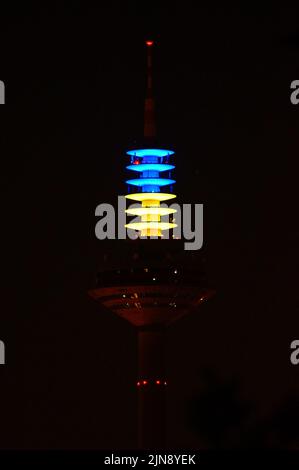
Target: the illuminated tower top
pixel 153 167
pixel 150 282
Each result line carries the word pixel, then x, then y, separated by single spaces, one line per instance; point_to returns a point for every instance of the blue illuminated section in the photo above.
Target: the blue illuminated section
pixel 151 181
pixel 150 167
pixel 150 188
pixel 149 164
pixel 150 152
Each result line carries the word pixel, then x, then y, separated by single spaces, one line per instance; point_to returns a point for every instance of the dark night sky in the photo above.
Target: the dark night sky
pixel 75 78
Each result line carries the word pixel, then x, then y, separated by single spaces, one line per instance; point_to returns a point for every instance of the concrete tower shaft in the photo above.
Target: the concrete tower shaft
pixel 151 386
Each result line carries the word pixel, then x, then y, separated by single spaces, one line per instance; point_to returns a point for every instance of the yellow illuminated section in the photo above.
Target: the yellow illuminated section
pixel 150 196
pixel 150 229
pixel 158 211
pixel 150 213
pixel 150 225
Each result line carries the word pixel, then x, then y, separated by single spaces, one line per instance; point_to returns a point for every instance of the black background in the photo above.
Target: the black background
pixel 75 81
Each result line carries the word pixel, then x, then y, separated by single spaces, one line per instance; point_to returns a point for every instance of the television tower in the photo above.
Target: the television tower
pixel 150 282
